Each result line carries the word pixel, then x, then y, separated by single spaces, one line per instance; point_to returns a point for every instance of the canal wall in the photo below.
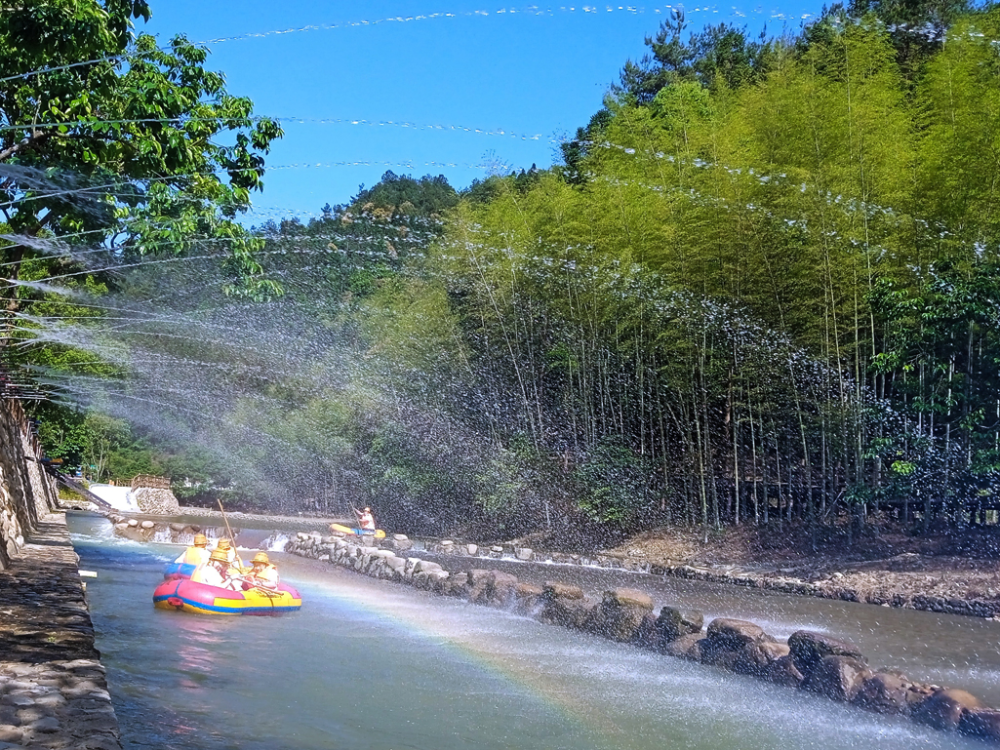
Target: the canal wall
pixel 27 493
pixel 808 661
pixel 53 688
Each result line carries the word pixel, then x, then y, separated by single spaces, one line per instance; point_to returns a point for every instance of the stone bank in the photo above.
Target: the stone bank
pixel 809 661
pixel 53 689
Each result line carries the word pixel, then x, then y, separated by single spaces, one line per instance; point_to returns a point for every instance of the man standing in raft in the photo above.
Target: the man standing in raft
pixel 216 572
pixel 366 521
pixel 263 573
pixel 197 554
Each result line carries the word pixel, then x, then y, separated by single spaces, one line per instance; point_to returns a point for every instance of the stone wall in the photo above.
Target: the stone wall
pixel 27 493
pixel 808 661
pixel 156 500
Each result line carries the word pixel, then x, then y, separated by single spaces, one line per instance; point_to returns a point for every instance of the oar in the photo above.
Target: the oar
pixel 228 529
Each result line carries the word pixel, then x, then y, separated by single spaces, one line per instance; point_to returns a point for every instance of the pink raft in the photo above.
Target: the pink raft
pixel 185 595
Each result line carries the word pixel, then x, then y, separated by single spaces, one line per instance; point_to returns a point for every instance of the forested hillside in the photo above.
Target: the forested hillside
pixel 761 287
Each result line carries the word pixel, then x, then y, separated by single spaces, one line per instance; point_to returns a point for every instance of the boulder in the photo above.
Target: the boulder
pixel 686 647
pixel 500 588
pixel 458 585
pixel 734 634
pixel 478 580
pixel 439 581
pixel 524 553
pixel 178 527
pixel 673 624
pixel 757 658
pixel 148 525
pixel 784 672
pixel 526 597
pixel 564 605
pixel 981 722
pixel 808 648
pixel 884 693
pixel 837 677
pixel 944 708
pixel 133 523
pixel 620 614
pixel 725 638
pixel 471 549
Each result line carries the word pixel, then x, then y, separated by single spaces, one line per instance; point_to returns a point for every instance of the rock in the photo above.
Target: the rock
pixel 564 605
pixel 944 708
pixel 757 659
pixel 178 527
pixel 523 553
pixel 496 549
pixel 458 585
pixel 734 634
pixel 837 677
pixel 500 589
pixel 981 722
pixel 477 580
pixel 620 614
pixel 47 725
pixel 12 734
pixel 884 693
pixel 784 672
pixel 686 647
pixel 132 522
pixel 400 537
pixel 526 597
pixel 725 638
pixel 471 549
pixel 426 566
pixel 808 648
pixel 673 624
pixel 147 525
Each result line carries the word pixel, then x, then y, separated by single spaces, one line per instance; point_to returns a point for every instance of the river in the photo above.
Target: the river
pixel 368 665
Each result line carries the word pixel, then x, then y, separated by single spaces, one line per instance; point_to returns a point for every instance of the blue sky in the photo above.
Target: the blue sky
pixel 537 74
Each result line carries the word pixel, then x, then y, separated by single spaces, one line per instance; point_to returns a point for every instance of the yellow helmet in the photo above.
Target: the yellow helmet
pixel 261 557
pixel 223 543
pixel 219 555
pixel 200 540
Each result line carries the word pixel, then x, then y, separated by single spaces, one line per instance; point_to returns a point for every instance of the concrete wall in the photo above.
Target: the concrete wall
pixel 27 493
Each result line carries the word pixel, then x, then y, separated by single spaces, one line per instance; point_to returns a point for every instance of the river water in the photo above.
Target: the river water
pixel 368 665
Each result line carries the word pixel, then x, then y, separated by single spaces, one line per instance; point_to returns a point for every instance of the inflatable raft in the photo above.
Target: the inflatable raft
pixel 341 529
pixel 174 570
pixel 186 595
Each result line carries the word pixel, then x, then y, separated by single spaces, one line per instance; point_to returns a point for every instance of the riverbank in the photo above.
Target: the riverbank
pixel 53 690
pixel 810 661
pixel 956 573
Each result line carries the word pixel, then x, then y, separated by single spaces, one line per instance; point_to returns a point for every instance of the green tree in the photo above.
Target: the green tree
pixel 120 151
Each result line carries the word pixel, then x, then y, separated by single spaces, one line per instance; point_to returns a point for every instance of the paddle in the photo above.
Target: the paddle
pixel 230 531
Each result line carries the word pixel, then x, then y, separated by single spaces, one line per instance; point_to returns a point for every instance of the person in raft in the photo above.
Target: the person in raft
pixel 216 572
pixel 263 573
pixel 366 521
pixel 197 554
pixel 235 563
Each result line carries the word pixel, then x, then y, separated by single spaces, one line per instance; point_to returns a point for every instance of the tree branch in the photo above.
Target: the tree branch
pixel 32 141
